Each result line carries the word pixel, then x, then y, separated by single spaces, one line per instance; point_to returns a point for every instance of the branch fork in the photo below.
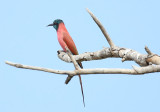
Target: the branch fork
pixel 145 61
pixel 152 58
pixel 74 62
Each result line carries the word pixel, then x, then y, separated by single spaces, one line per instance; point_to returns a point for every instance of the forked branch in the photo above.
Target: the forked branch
pixel 116 52
pixel 74 63
pixel 144 60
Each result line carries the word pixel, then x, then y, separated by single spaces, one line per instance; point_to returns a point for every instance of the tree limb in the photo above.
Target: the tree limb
pixel 135 71
pixel 117 52
pixel 144 60
pixel 152 58
pixel 124 53
pixel 148 51
pixel 39 68
pixel 74 63
pixel 102 29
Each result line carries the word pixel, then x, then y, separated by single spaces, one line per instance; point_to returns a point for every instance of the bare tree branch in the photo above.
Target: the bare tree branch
pixel 152 58
pixel 135 71
pixel 74 63
pixel 102 29
pixel 124 53
pixel 148 51
pixel 144 60
pixel 38 68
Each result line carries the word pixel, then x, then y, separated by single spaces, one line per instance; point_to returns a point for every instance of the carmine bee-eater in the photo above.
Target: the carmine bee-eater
pixel 65 40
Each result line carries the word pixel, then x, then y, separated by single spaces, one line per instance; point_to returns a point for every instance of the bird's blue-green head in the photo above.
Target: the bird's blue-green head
pixel 56 23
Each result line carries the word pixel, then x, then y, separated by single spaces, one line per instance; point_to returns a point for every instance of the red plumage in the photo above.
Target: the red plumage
pixel 65 40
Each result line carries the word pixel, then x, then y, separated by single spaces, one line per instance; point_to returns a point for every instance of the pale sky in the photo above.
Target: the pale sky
pixel 25 39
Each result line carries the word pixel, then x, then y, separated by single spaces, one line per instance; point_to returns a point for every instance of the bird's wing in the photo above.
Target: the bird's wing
pixel 70 43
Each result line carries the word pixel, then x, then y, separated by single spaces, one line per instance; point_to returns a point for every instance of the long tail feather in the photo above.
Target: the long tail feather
pixel 81 89
pixel 80 64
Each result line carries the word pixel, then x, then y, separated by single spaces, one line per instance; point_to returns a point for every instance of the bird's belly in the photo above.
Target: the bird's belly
pixel 62 43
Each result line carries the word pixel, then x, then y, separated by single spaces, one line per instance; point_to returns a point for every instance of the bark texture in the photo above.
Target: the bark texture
pixel 145 61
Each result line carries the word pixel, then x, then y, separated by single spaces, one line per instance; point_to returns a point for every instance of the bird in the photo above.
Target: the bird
pixel 66 41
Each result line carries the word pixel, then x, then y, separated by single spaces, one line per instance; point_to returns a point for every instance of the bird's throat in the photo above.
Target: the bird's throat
pixel 61 27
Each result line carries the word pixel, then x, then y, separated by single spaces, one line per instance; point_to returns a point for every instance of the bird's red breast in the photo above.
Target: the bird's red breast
pixel 65 39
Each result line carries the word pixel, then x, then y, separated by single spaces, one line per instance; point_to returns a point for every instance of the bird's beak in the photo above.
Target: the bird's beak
pixel 50 24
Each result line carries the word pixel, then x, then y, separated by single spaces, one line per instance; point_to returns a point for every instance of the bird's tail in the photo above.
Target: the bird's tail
pixel 81 89
pixel 80 64
pixel 70 77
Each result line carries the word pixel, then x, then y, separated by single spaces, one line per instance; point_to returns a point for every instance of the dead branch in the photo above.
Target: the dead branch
pixel 148 51
pixel 38 68
pixel 124 53
pixel 152 58
pixel 144 60
pixel 135 71
pixel 102 29
pixel 115 51
pixel 74 63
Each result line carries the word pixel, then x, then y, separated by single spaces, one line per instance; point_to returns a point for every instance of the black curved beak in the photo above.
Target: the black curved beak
pixel 50 25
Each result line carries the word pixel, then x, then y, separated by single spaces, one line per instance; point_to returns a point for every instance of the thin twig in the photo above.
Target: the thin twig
pixel 152 58
pixel 39 68
pixel 148 51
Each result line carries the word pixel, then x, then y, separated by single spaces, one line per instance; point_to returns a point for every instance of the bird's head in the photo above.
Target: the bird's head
pixel 56 23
